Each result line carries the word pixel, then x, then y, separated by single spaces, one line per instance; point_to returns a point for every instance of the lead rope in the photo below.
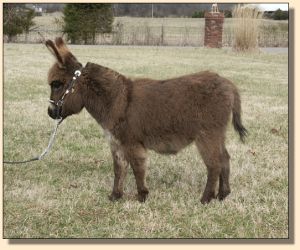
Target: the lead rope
pixel 46 151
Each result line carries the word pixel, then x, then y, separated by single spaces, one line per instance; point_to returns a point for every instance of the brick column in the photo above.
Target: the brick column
pixel 213 29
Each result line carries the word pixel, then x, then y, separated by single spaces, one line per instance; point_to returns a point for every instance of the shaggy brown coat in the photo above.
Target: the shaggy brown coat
pixel 161 115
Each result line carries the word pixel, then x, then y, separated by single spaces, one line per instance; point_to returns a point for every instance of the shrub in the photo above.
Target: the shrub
pixel 280 15
pixel 198 14
pixel 227 13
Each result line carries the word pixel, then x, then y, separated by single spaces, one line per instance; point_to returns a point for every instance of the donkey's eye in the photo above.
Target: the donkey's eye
pixel 56 85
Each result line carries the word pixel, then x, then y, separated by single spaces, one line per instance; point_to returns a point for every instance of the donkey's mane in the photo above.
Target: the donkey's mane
pixel 110 88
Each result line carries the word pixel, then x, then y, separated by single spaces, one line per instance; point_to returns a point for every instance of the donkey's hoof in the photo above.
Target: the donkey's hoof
pixel 142 195
pixel 222 194
pixel 206 198
pixel 115 196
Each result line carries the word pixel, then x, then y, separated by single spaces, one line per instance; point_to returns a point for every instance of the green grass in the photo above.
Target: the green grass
pixel 65 195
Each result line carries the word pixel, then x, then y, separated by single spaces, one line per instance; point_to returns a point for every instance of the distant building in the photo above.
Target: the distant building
pixel 37 9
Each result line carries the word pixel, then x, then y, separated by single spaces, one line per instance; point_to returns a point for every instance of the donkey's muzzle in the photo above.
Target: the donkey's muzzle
pixel 54 111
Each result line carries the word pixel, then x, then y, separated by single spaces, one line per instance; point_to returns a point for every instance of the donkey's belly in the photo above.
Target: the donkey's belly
pixel 167 145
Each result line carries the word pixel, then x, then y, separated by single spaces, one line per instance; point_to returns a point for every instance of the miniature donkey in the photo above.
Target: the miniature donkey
pixel 161 115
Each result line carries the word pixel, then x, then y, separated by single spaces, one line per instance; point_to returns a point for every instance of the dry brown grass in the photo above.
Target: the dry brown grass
pixel 246 28
pixel 65 195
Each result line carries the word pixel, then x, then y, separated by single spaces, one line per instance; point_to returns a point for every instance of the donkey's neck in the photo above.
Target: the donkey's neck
pixel 107 95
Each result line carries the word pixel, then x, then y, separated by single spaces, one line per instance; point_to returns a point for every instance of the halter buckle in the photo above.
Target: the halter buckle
pixel 77 73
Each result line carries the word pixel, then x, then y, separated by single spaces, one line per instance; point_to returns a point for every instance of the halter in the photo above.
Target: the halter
pixel 58 120
pixel 71 85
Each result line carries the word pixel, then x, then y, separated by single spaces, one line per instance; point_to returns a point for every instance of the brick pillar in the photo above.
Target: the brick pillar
pixel 213 29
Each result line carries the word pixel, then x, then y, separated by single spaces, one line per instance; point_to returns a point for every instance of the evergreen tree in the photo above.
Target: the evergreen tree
pixel 16 19
pixel 83 21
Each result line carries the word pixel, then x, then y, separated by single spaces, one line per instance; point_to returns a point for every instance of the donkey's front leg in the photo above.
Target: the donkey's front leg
pixel 137 157
pixel 120 170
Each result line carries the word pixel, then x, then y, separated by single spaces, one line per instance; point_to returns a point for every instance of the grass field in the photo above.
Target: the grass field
pixel 65 195
pixel 163 31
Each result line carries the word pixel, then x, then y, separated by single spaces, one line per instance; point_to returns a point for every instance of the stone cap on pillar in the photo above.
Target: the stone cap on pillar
pixel 214 8
pixel 214 13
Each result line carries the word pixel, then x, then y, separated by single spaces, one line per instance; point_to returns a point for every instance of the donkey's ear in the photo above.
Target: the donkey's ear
pixel 62 47
pixel 59 42
pixel 52 48
pixel 66 55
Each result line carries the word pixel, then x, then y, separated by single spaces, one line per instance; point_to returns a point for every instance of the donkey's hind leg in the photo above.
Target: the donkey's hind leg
pixel 210 148
pixel 224 187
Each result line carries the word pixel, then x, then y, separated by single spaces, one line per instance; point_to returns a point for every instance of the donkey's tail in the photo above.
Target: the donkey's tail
pixel 236 117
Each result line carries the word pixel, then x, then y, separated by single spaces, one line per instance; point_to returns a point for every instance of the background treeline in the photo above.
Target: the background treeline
pixel 195 10
pixel 146 9
pixel 164 9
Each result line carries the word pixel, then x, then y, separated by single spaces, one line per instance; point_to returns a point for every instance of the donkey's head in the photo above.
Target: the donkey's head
pixel 59 78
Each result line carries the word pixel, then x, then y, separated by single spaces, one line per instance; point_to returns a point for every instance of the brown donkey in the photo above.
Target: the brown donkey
pixel 161 115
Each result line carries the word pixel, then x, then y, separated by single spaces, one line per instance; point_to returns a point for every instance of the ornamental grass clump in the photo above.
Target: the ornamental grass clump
pixel 246 28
